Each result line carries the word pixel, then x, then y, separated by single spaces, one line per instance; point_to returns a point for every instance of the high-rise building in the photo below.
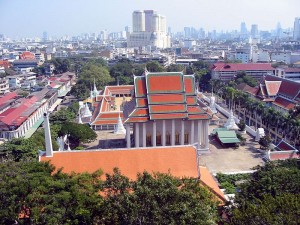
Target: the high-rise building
pixel 254 30
pixel 297 29
pixel 149 29
pixel 45 36
pixel 243 28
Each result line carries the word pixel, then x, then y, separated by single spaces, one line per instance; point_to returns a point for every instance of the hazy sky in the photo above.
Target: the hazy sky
pixel 19 18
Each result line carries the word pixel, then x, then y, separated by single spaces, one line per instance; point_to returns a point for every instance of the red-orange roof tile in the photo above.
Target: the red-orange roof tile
pixel 170 83
pixel 166 98
pixel 180 161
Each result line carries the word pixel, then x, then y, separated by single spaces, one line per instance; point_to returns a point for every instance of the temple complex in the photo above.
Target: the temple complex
pixel 164 111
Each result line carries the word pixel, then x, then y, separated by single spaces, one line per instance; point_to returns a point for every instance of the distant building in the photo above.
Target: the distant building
pixel 149 29
pixel 4 85
pixel 297 29
pixel 288 73
pixel 227 71
pixel 254 31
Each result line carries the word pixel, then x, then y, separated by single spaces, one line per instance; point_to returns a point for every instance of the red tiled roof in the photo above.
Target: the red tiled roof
pixel 285 146
pixel 179 161
pixel 122 89
pixel 164 83
pixel 284 103
pixel 136 119
pixel 283 155
pixel 242 66
pixel 168 116
pixel 189 84
pixel 142 102
pixel 6 64
pixel 291 70
pixel 140 86
pixel 199 117
pixel 191 100
pixel 167 108
pixel 194 110
pixel 140 112
pixel 6 97
pixel 272 87
pixel 288 87
pixel 166 98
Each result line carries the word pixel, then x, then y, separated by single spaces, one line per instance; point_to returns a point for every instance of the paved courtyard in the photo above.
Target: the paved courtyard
pixel 222 159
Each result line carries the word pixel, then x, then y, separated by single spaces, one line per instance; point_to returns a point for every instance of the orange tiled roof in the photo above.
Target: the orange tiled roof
pixel 167 108
pixel 167 93
pixel 166 98
pixel 168 116
pixel 286 104
pixel 208 180
pixel 272 87
pixel 180 161
pixel 164 83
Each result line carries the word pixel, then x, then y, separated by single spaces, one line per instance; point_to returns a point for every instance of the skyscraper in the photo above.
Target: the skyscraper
pixel 297 29
pixel 254 30
pixel 243 28
pixel 149 29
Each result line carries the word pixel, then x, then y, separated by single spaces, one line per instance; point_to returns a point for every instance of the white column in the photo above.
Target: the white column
pixel 192 131
pixel 173 133
pixel 128 135
pixel 144 135
pixel 163 133
pixel 136 135
pixel 206 135
pixel 154 134
pixel 199 132
pixel 182 133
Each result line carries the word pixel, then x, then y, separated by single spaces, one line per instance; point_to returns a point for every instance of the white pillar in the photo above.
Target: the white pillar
pixel 182 133
pixel 137 135
pixel 128 135
pixel 144 135
pixel 206 135
pixel 48 141
pixel 163 133
pixel 154 134
pixel 173 133
pixel 192 131
pixel 199 133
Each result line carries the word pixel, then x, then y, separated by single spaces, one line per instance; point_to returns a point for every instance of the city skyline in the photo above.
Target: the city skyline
pixel 31 18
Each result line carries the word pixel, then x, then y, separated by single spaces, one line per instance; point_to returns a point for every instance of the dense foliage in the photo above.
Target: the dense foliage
pixel 269 196
pixel 49 196
pixel 45 196
pixel 229 181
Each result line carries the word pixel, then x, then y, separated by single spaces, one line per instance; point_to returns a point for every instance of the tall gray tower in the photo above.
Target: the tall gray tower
pixel 297 29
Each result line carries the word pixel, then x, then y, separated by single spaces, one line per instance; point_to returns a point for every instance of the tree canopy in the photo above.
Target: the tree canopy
pixel 269 196
pixel 48 196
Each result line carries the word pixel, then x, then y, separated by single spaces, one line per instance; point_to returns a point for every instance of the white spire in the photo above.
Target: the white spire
pixel 95 89
pixel 212 104
pixel 79 119
pixel 48 140
pixel 120 129
pixel 230 124
pixel 86 111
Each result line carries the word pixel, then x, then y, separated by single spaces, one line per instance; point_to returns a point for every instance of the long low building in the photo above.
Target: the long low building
pixel 19 116
pixel 228 71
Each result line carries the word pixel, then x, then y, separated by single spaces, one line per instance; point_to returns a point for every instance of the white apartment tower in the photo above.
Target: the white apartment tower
pixel 149 29
pixel 297 29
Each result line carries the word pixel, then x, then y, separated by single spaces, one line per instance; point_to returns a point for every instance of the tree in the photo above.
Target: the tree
pixel 265 142
pixel 156 199
pixel 269 196
pixel 154 66
pixel 175 68
pixel 122 71
pixel 61 65
pixel 91 72
pixel 78 133
pixel 279 210
pixel 62 116
pixel 46 195
pixel 242 125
